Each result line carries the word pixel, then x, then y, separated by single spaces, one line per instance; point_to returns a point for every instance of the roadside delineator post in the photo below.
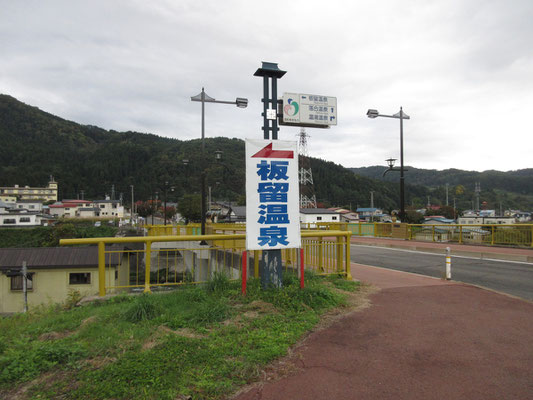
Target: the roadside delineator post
pixel 244 270
pixel 448 264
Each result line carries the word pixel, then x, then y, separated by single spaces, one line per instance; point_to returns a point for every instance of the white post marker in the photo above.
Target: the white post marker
pixel 272 195
pixel 448 264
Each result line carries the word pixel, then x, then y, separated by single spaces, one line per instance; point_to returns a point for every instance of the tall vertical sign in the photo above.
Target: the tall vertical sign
pixel 272 195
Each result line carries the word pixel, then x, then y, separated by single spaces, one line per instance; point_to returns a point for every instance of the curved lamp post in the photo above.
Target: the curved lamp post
pixel 202 97
pixel 401 116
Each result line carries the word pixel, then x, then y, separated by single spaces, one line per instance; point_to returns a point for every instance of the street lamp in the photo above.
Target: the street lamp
pixel 204 98
pixel 165 209
pixel 371 113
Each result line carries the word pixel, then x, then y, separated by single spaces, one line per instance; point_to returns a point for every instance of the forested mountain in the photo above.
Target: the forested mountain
pixel 514 189
pixel 36 144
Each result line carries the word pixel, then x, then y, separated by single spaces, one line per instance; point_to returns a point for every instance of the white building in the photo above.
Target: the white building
pixel 314 215
pixel 22 219
pixel 475 220
pixel 109 208
pixel 30 205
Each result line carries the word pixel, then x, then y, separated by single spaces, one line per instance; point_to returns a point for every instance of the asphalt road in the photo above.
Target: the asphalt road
pixel 513 278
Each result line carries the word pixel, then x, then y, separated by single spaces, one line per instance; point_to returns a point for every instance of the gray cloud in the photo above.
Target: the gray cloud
pixel 462 70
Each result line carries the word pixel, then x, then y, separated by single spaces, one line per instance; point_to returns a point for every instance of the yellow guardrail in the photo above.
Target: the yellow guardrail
pixel 486 234
pixel 158 261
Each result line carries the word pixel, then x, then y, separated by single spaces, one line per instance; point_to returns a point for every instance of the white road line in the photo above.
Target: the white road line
pixel 442 255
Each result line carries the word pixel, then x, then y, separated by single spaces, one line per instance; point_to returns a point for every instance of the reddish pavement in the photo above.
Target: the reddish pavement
pixel 422 338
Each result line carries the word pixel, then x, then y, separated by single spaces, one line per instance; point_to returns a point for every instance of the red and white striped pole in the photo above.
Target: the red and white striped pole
pixel 244 271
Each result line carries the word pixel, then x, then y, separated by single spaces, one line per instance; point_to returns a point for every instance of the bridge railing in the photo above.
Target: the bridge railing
pixel 155 262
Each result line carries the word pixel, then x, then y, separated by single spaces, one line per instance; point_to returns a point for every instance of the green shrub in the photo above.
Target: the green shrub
pixel 144 308
pixel 211 311
pixel 219 282
pixel 73 298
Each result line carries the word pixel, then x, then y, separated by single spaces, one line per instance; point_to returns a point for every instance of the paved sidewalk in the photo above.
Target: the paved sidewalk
pixel 495 252
pixel 422 338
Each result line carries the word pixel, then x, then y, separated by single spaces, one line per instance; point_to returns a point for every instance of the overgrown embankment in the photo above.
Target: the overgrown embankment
pixel 203 342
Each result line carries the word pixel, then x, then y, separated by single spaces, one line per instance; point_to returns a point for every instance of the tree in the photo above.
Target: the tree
pixel 413 217
pixel 447 211
pixel 190 207
pixel 144 208
pixel 168 212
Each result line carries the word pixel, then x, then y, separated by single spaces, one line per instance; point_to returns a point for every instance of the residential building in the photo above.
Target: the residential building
pixel 30 205
pixel 350 217
pixel 4 207
pixel 87 212
pixel 521 216
pixel 109 208
pixel 63 210
pixel 438 220
pixel 53 272
pixel 477 220
pixel 8 199
pixel 48 193
pixel 368 213
pixel 318 215
pixel 14 218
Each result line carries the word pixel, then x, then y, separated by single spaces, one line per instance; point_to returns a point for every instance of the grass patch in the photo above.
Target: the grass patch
pixel 203 342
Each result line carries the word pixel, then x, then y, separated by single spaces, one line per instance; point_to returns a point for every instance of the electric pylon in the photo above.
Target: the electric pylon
pixel 307 191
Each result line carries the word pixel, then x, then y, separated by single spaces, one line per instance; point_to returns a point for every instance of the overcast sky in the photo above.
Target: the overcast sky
pixel 462 69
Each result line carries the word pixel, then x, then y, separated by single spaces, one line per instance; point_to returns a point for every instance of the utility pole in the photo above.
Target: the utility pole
pixel 371 199
pixel 477 190
pixel 25 285
pixel 112 192
pixel 82 194
pixel 447 186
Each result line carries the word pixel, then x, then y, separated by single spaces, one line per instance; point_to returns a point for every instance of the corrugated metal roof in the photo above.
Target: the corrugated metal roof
pixel 54 257
pixel 317 211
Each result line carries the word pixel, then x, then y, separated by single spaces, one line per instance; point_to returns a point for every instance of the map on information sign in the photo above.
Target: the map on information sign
pixel 309 110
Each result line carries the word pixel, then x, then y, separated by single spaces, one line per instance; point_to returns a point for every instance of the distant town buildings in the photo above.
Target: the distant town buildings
pixel 48 193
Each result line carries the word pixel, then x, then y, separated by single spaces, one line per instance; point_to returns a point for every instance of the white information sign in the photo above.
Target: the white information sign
pixel 309 109
pixel 272 195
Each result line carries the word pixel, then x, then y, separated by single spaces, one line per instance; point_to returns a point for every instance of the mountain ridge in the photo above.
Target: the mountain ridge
pixel 37 144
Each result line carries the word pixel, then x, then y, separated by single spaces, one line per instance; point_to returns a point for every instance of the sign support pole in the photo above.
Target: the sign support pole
pixel 270 266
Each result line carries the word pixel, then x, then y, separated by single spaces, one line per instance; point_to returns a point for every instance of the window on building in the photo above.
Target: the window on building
pixel 79 278
pixel 334 218
pixel 102 205
pixel 10 221
pixel 319 218
pixel 32 206
pixel 17 282
pixel 24 219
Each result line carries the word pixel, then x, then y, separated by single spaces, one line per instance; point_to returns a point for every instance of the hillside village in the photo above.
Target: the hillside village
pixel 25 206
